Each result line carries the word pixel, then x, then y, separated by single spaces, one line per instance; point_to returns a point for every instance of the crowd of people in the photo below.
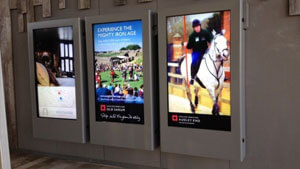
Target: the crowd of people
pixel 102 67
pixel 111 91
pixel 120 94
pixel 133 69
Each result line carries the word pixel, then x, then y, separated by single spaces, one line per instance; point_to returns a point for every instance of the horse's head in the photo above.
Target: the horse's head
pixel 220 46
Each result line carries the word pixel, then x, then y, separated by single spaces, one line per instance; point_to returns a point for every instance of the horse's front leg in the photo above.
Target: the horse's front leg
pixel 197 89
pixel 216 103
pixel 214 97
pixel 216 107
pixel 189 96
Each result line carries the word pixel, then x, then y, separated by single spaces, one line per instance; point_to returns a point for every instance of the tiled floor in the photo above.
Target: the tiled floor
pixel 33 161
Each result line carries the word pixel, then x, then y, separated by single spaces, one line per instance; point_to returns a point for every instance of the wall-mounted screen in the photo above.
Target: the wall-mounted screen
pixel 119 84
pixel 54 70
pixel 198 60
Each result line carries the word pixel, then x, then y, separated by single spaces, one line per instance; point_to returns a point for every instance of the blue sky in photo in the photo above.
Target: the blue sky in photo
pixel 114 36
pixel 201 17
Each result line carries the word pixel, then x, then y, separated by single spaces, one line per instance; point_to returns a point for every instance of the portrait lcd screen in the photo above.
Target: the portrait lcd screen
pixel 198 60
pixel 119 84
pixel 54 72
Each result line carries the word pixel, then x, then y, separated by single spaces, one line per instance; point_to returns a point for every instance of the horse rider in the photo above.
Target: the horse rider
pixel 199 42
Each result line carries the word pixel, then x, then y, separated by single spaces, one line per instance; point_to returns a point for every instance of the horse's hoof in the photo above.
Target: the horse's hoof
pixel 216 110
pixel 192 108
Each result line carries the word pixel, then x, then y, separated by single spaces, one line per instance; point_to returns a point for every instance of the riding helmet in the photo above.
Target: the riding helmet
pixel 196 22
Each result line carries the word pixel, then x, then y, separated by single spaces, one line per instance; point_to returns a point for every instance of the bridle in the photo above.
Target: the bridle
pixel 217 76
pixel 217 49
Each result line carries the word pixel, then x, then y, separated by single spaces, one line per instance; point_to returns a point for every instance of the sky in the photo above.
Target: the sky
pixel 114 36
pixel 201 17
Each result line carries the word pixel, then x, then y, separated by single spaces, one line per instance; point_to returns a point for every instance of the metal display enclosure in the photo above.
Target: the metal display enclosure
pixel 125 135
pixel 61 129
pixel 229 145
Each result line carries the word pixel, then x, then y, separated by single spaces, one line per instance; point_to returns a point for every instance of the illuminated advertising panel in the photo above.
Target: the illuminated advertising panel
pixel 119 84
pixel 54 72
pixel 198 58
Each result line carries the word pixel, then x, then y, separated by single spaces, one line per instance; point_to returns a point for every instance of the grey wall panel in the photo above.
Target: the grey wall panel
pixel 176 161
pixel 139 157
pixel 71 10
pixel 108 7
pixel 82 150
pixel 272 80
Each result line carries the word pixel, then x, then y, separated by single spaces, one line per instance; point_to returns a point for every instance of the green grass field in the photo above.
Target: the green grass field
pixel 139 58
pixel 105 79
pixel 113 54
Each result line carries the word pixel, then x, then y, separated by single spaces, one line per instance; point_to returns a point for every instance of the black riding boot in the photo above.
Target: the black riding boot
pixel 193 74
pixel 194 70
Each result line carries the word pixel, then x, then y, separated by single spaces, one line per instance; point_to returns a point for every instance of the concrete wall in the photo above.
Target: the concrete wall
pixel 272 94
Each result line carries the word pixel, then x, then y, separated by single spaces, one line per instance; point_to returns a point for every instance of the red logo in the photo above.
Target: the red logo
pixel 102 107
pixel 175 118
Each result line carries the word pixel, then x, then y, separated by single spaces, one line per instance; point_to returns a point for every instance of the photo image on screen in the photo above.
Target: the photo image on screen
pixel 55 75
pixel 198 60
pixel 119 85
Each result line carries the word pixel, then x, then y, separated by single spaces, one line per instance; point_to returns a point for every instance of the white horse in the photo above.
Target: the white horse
pixel 210 74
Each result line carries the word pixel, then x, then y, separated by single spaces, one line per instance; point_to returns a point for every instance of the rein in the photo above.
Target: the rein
pixel 217 76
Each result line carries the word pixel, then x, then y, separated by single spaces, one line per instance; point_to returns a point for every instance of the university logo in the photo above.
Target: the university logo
pixel 174 118
pixel 102 107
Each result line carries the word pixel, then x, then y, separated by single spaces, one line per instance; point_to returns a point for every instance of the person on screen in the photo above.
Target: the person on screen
pixel 131 73
pixel 199 41
pixel 124 74
pixel 139 95
pixel 125 91
pixel 117 95
pixel 141 91
pixel 101 91
pixel 98 77
pixel 112 75
pixel 130 98
pixel 117 88
pixel 136 77
pixel 47 63
pixel 110 87
pixel 135 92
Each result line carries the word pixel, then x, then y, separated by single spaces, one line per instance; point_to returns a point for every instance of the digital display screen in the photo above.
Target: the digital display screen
pixel 119 84
pixel 198 61
pixel 54 72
